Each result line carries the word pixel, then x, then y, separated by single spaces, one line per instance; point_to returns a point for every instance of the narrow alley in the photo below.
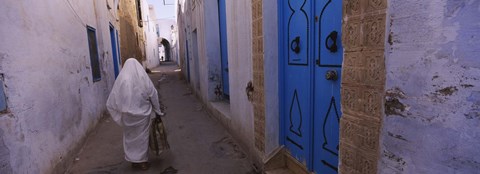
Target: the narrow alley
pixel 199 144
pixel 248 86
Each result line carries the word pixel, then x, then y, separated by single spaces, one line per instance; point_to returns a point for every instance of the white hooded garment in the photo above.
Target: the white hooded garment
pixel 131 102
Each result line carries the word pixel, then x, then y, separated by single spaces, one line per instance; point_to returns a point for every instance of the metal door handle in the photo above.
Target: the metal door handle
pixel 331 75
pixel 295 45
pixel 333 36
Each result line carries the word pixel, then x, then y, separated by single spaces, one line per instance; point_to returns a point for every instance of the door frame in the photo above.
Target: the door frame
pixel 113 41
pixel 222 26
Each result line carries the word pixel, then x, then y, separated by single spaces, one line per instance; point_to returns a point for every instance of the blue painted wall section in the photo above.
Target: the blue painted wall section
pixel 433 88
pixel 3 98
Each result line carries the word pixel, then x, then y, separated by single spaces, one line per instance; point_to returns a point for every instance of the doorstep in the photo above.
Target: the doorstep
pixel 220 110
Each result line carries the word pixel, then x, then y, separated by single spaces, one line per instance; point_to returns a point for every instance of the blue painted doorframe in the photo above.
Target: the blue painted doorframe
pixel 311 56
pixel 114 51
pixel 222 20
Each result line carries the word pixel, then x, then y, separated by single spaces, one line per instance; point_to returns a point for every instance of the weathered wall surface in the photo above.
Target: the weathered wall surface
pixel 239 33
pixel 270 49
pixel 239 30
pixel 165 28
pixel 132 42
pixel 183 22
pixel 45 64
pixel 174 45
pixel 433 91
pixel 152 54
pixel 181 36
pixel 212 49
pixel 166 32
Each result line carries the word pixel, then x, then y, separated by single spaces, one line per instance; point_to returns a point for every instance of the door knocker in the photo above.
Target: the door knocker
pixel 295 45
pixel 249 90
pixel 333 36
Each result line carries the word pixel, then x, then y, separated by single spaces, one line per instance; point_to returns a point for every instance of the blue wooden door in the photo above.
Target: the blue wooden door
pixel 312 53
pixel 222 17
pixel 114 51
pixel 297 77
pixel 328 63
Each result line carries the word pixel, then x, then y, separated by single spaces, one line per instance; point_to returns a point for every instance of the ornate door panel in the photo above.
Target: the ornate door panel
pixel 297 69
pixel 328 55
pixel 312 54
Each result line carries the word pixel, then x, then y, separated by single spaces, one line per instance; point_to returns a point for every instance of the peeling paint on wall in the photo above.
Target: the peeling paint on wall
pixel 52 102
pixel 432 97
pixel 5 165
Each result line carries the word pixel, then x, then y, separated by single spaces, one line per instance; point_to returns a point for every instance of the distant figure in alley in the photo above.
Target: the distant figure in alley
pixel 133 103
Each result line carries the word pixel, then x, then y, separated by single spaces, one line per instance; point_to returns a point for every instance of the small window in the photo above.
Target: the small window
pixel 92 47
pixel 3 99
pixel 139 14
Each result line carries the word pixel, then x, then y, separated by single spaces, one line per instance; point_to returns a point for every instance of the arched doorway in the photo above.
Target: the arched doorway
pixel 166 46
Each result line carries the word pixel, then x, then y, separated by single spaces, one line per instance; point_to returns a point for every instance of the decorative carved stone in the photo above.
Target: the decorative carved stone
pixel 363 83
pixel 374 32
pixel 375 74
pixel 352 7
pixel 352 35
pixel 348 99
pixel 375 5
pixel 373 103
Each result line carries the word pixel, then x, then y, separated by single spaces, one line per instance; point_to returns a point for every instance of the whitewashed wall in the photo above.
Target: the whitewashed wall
pixel 52 100
pixel 270 45
pixel 165 28
pixel 149 28
pixel 433 89
pixel 239 33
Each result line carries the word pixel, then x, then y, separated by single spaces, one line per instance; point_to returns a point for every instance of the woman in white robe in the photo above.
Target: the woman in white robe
pixel 133 103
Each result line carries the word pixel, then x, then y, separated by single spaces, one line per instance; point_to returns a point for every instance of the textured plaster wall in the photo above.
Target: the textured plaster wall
pixel 433 92
pixel 45 63
pixel 181 42
pixel 131 35
pixel 198 23
pixel 239 30
pixel 208 42
pixel 165 28
pixel 152 53
pixel 239 21
pixel 270 44
pixel 213 51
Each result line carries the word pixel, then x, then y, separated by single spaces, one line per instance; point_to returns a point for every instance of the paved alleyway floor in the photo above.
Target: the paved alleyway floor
pixel 199 144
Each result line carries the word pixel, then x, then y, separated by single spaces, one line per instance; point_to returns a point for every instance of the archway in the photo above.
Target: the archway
pixel 166 46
